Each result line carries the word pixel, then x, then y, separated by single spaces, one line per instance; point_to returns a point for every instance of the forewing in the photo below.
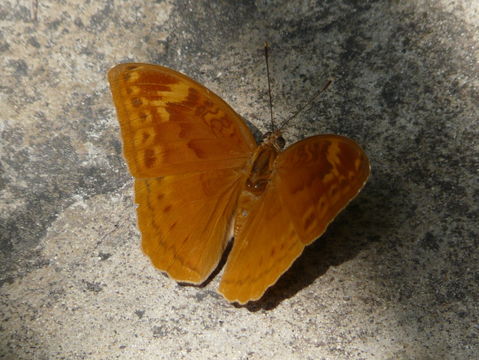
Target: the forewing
pixel 170 124
pixel 185 219
pixel 317 178
pixel 312 181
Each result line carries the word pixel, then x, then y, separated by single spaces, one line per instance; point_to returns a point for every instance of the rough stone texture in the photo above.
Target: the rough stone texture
pixel 395 277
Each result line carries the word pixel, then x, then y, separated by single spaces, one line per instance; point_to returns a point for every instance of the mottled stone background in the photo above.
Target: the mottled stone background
pixel 396 275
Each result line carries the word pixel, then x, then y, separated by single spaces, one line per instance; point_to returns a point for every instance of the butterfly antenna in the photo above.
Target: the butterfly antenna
pixel 307 105
pixel 266 57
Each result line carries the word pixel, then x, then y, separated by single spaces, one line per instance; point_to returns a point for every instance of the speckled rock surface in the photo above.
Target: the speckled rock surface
pixel 395 277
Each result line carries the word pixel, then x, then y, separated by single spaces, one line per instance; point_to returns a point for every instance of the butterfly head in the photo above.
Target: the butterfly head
pixel 274 138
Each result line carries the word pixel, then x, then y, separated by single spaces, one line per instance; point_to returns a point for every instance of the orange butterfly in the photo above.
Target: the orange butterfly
pixel 199 175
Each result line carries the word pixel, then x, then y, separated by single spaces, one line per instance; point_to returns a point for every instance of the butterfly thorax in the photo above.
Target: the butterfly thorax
pixel 261 168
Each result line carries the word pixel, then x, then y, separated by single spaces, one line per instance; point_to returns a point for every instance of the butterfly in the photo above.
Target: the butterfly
pixel 200 177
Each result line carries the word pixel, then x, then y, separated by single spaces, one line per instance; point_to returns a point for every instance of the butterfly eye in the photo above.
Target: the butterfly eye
pixel 275 139
pixel 280 142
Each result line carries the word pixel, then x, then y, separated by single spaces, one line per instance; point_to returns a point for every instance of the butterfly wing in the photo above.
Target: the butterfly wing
pixel 312 181
pixel 187 150
pixel 170 124
pixel 185 219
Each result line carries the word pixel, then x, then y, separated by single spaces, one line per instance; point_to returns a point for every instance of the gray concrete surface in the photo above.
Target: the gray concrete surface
pixel 395 277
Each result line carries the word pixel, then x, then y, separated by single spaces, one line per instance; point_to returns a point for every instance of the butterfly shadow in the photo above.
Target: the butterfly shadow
pixel 329 250
pixel 352 232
